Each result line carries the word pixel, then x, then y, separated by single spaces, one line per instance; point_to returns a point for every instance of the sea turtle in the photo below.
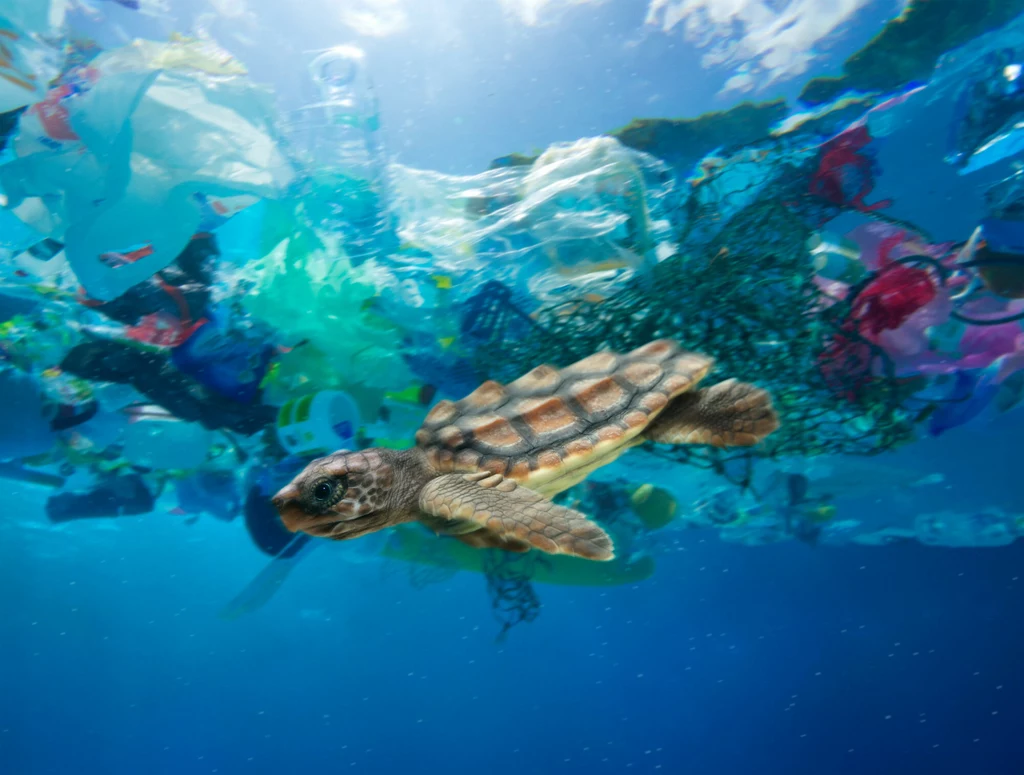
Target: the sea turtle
pixel 484 468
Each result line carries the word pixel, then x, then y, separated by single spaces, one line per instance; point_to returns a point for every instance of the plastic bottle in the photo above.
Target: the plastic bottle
pixel 339 140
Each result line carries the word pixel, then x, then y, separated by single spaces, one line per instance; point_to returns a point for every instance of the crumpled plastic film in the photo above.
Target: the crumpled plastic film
pixel 319 305
pixel 26 64
pixel 581 216
pixel 990 527
pixel 121 153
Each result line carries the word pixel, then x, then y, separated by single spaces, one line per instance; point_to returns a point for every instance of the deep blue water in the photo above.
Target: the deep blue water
pixel 786 659
pixel 782 659
pixel 789 658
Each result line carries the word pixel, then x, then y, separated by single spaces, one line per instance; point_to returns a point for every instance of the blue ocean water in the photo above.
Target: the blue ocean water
pixel 731 659
pixel 852 653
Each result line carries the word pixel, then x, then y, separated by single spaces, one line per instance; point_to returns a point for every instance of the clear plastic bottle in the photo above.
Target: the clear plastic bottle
pixel 339 143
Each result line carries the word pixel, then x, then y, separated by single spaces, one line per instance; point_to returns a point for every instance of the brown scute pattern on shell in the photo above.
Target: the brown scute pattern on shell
pixel 658 350
pixel 593 365
pixel 519 471
pixel 542 380
pixel 496 465
pixel 547 459
pixel 581 446
pixel 549 422
pixel 443 413
pixel 450 436
pixel 600 397
pixel 636 420
pixel 489 396
pixel 643 374
pixel 468 458
pixel 654 402
pixel 491 430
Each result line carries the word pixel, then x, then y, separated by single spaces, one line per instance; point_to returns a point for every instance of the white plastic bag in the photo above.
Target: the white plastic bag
pixel 26 64
pixel 125 154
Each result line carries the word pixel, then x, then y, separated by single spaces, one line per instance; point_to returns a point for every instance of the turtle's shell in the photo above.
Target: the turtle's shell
pixel 551 427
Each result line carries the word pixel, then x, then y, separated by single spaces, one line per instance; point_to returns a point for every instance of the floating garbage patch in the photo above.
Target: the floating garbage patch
pixel 199 294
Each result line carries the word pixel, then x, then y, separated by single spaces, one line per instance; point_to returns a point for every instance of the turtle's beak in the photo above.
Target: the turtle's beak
pixel 285 495
pixel 287 504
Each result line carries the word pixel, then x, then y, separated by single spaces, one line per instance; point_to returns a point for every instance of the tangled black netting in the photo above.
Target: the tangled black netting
pixel 745 296
pixel 513 598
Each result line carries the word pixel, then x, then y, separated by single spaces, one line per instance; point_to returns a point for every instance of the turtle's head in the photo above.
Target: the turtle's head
pixel 344 495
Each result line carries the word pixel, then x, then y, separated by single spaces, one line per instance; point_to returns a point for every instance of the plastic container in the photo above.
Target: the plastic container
pixel 318 424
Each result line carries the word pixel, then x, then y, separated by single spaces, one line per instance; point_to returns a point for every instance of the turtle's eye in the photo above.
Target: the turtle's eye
pixel 325 492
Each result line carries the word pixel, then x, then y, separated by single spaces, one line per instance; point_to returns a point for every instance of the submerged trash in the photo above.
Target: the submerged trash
pixel 318 424
pixel 989 115
pixel 27 64
pixel 114 119
pixel 581 217
pixel 956 529
pixel 338 146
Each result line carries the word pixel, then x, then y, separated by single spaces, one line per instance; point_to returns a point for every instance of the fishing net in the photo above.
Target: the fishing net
pixel 513 597
pixel 747 297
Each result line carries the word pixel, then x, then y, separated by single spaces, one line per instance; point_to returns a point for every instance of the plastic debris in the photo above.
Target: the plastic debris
pixel 151 126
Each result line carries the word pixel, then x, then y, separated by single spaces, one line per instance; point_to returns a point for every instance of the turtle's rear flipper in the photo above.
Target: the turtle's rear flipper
pixel 729 414
pixel 513 512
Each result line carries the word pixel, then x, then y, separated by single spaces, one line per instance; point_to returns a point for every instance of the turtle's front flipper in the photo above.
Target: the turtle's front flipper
pixel 486 539
pixel 729 414
pixel 506 509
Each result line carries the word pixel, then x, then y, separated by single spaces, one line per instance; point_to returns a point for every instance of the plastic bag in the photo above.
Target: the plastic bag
pixel 129 150
pixel 321 308
pixel 985 528
pixel 582 216
pixel 26 64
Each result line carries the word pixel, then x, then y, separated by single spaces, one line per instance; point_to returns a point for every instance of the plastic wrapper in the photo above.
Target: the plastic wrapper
pixel 128 150
pixel 321 308
pixel 582 217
